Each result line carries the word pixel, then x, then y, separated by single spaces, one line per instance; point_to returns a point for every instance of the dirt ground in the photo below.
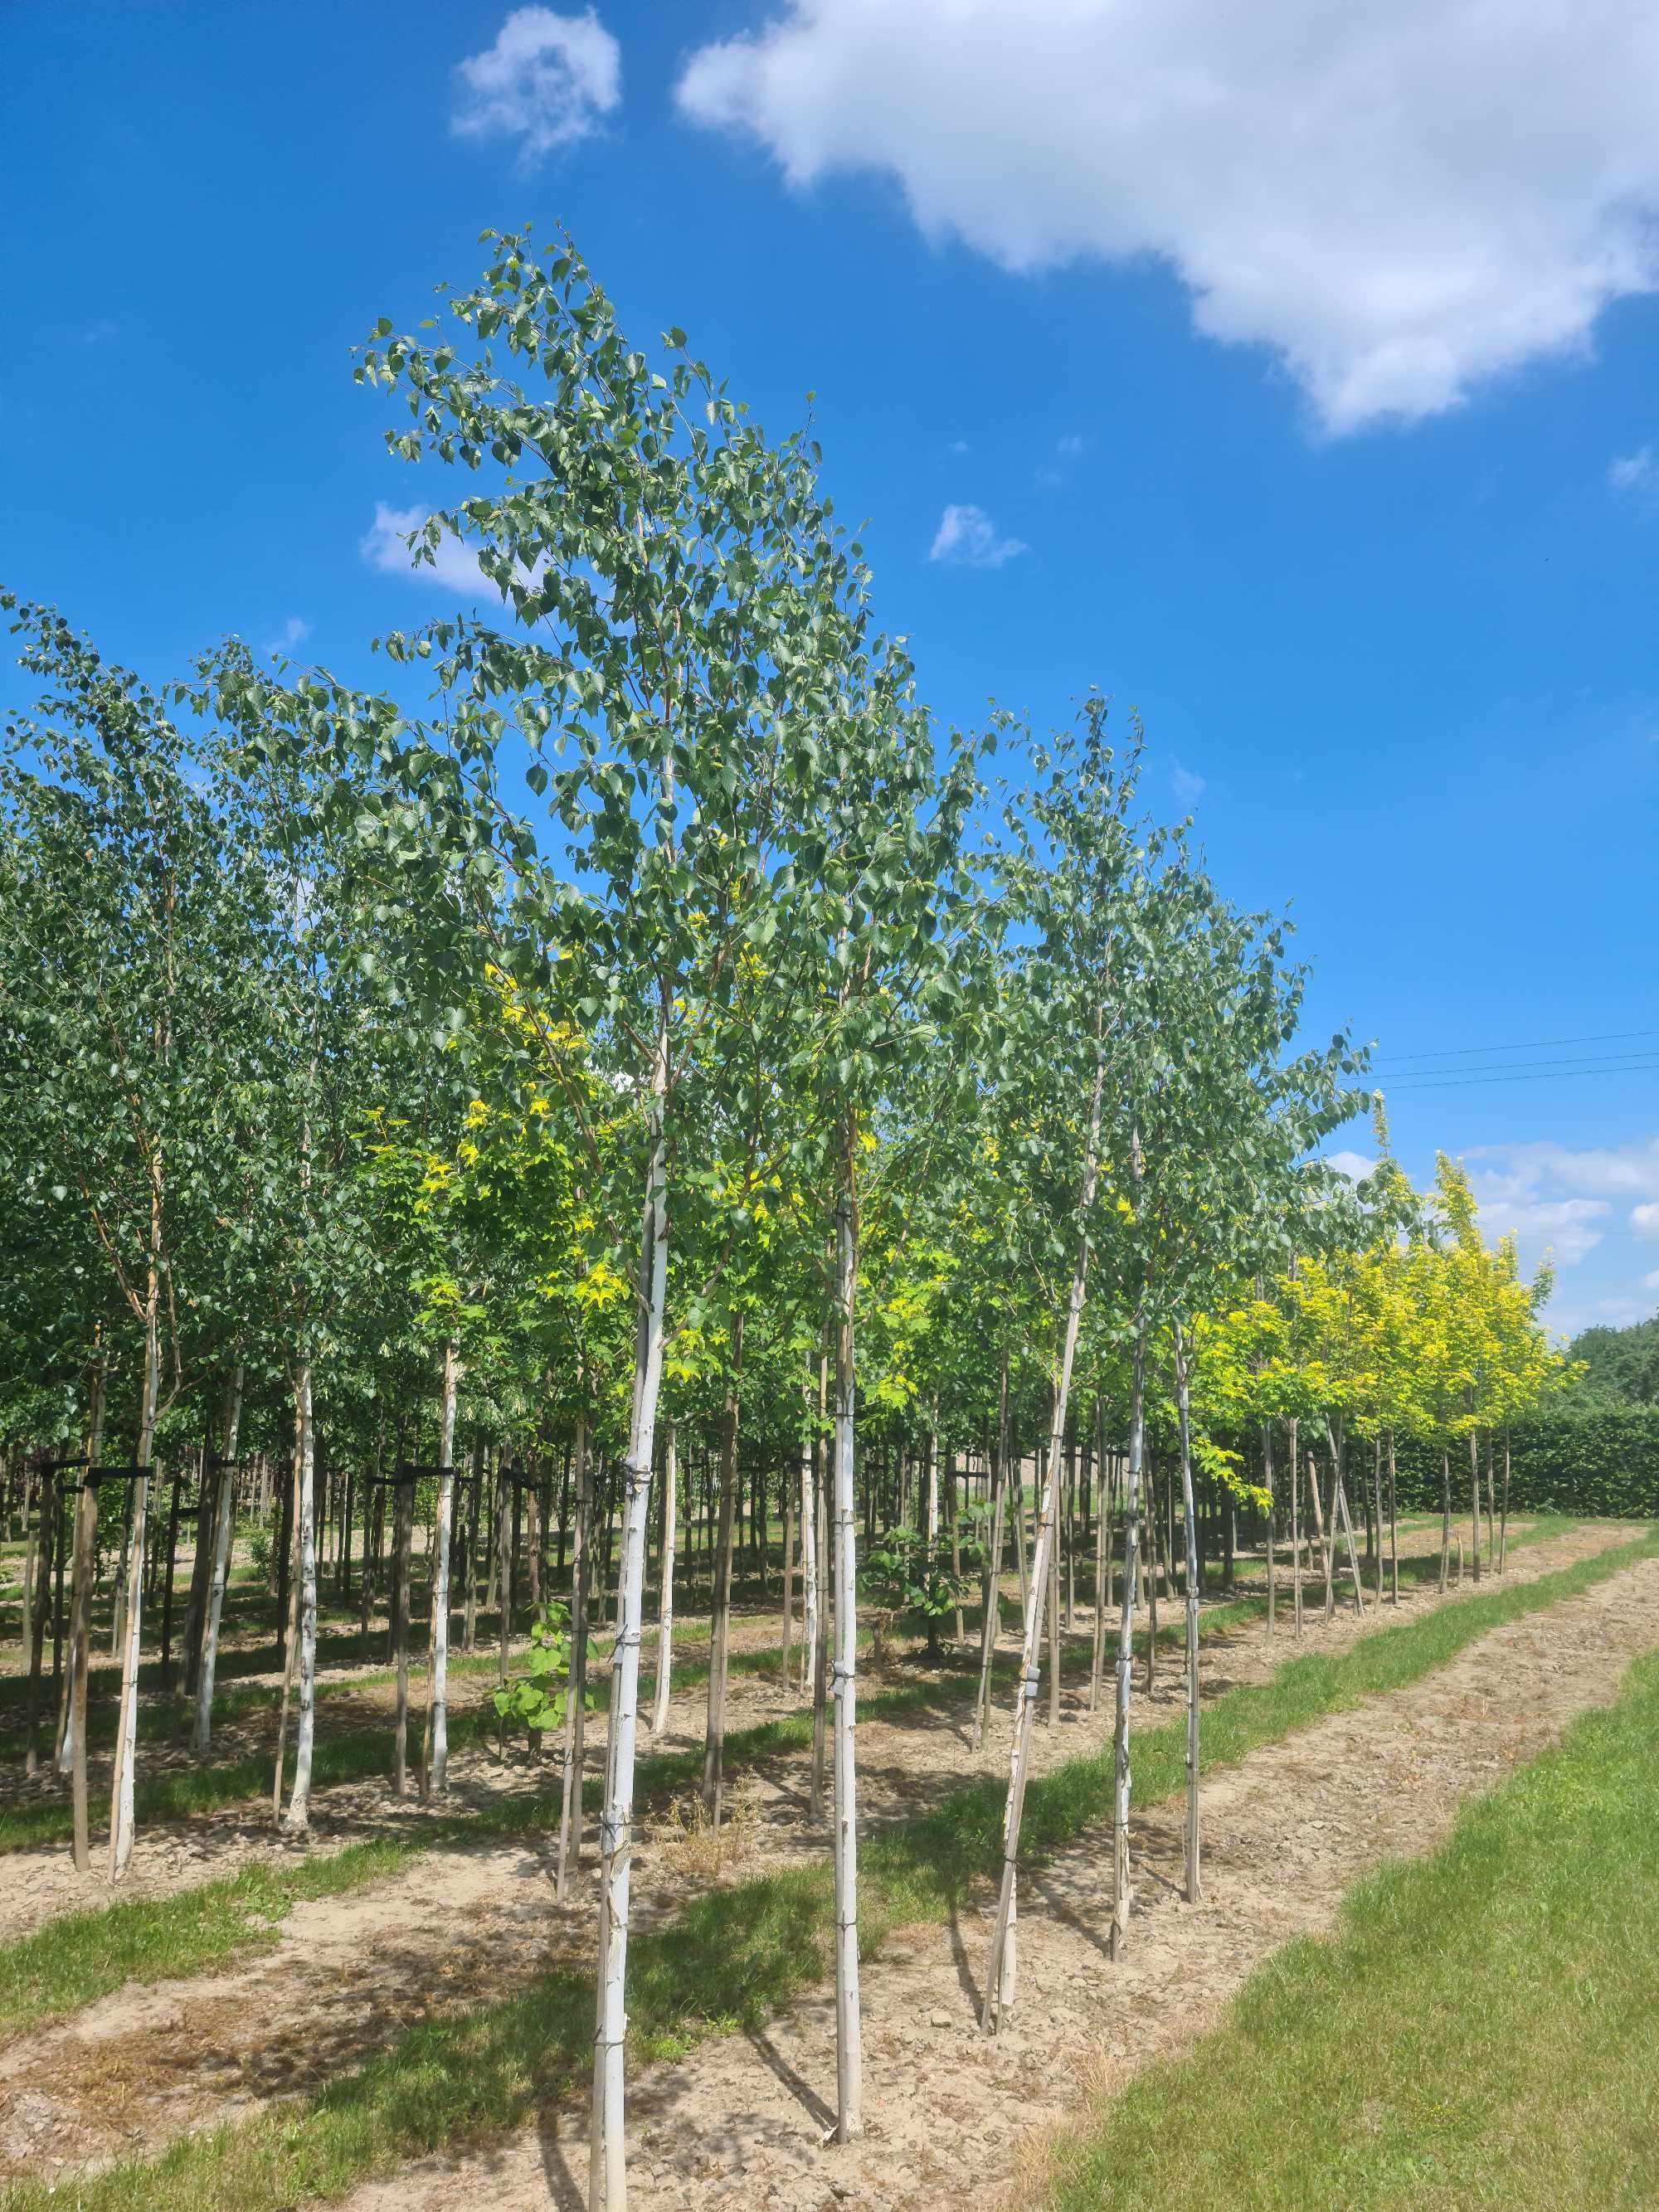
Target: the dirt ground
pixel 951 2117
pixel 468 1925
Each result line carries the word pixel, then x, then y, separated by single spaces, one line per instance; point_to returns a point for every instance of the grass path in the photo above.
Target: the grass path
pixel 732 1957
pixel 1478 2032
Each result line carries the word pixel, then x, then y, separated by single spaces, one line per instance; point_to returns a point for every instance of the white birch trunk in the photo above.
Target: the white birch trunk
pixel 435 1763
pixel 809 1562
pixel 608 2168
pixel 1126 1637
pixel 127 1738
pixel 991 1620
pixel 1267 1480
pixel 224 1520
pixel 297 1818
pixel 849 2054
pixel 1195 1888
pixel 575 1710
pixel 994 2013
pixel 666 1614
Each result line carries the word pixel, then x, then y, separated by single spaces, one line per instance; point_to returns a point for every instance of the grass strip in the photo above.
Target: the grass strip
pixel 729 1958
pixel 74 1959
pixel 1477 2032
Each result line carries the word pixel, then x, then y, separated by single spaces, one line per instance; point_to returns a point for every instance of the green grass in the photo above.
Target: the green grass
pixel 724 1962
pixel 74 1959
pixel 1478 2032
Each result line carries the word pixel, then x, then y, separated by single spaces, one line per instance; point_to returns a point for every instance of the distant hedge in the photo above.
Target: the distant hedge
pixel 1601 1461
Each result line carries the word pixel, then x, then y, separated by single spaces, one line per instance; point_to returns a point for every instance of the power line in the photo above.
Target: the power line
pixel 1557 1075
pixel 1572 1060
pixel 1528 1044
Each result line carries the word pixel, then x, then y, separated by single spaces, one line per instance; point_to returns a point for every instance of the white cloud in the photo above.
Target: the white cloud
pixel 968 536
pixel 1398 201
pixel 384 547
pixel 1650 1282
pixel 1073 446
pixel 546 81
pixel 1354 1165
pixel 1615 1171
pixel 1561 1200
pixel 1188 788
pixel 1568 1228
pixel 1633 471
pixel 295 630
pixel 1602 1313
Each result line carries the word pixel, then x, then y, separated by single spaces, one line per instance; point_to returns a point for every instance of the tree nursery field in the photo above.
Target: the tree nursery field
pixel 706 1498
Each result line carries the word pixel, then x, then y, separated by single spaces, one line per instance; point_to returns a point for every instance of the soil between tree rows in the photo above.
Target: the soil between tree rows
pixel 469 1924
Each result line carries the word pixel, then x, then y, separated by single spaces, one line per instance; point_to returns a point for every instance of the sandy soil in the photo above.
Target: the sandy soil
pixel 464 1926
pixel 951 2118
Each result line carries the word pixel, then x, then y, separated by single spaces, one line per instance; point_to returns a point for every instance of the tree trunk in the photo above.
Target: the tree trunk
pixel 1394 1528
pixel 575 1710
pixel 126 1736
pixel 787 1490
pixel 37 1602
pixel 821 1653
pixel 167 1575
pixel 990 1626
pixel 1154 1572
pixel 503 1579
pixel 720 1617
pixel 201 1566
pixel 1504 1525
pixel 809 1555
pixel 1474 1502
pixel 86 1546
pixel 294 1581
pixel 297 1818
pixel 1190 1834
pixel 224 1521
pixel 1445 1516
pixel 1126 1646
pixel 403 1545
pixel 849 2056
pixel 435 1747
pixel 1267 1485
pixel 1326 1545
pixel 998 1999
pixel 469 1546
pixel 666 1608
pixel 608 2172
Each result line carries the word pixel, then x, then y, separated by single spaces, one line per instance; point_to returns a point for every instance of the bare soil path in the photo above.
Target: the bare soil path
pixel 467 1925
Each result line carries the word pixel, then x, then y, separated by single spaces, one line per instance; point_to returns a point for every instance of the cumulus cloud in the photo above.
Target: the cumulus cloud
pixel 1398 202
pixel 1562 1198
pixel 1354 1165
pixel 546 81
pixel 1634 472
pixel 967 535
pixel 1568 1228
pixel 385 546
pixel 1607 1171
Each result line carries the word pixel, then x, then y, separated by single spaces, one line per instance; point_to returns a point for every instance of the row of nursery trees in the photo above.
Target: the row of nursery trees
pixel 666 1032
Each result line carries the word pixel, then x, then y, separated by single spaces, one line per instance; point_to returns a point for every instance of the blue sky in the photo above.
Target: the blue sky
pixel 1288 374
